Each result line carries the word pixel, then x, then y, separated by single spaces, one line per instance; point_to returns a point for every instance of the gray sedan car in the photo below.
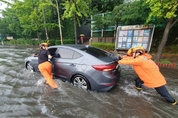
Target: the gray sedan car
pixel 84 66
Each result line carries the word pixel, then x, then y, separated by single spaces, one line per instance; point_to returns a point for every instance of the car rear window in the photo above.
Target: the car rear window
pixel 100 54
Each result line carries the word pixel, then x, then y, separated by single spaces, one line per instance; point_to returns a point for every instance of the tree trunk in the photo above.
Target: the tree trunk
pixel 39 39
pixel 75 28
pixel 163 40
pixel 60 30
pixel 46 30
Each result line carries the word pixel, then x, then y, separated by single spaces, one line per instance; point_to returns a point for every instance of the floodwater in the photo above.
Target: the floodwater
pixel 23 94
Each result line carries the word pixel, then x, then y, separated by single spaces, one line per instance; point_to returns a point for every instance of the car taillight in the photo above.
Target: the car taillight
pixel 104 67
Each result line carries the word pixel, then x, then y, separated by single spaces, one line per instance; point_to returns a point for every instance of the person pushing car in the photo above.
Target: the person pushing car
pixel 147 71
pixel 45 66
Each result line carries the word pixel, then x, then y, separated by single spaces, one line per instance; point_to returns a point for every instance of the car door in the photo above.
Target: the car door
pixel 35 63
pixel 52 52
pixel 66 64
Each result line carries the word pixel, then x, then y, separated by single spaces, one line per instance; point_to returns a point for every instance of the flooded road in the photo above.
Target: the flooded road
pixel 23 94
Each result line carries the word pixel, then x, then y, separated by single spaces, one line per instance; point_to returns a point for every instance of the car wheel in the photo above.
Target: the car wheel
pixel 30 67
pixel 81 82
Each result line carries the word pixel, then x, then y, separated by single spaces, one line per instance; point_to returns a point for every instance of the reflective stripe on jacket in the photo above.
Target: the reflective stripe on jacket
pixel 146 69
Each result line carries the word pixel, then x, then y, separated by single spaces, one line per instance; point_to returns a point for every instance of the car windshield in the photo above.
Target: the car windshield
pixel 102 55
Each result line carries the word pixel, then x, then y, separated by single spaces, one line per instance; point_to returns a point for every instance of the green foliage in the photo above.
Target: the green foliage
pixel 65 41
pixel 78 7
pixel 162 9
pixel 12 41
pixel 58 42
pixel 131 13
pixel 52 42
pixel 22 41
pixel 68 28
pixel 69 41
pixel 104 46
pixel 25 17
pixel 165 61
pixel 103 6
pixel 11 21
pixel 167 10
pixel 102 21
pixel 171 49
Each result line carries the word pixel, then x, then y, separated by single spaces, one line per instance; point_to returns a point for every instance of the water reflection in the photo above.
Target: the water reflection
pixel 24 94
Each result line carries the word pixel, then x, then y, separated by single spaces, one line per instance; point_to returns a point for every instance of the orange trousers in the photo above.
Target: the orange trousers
pixel 46 68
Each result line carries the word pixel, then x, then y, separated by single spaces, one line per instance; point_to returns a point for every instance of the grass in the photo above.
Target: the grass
pixel 165 61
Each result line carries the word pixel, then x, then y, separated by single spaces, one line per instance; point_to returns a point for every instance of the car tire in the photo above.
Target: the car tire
pixel 30 67
pixel 81 82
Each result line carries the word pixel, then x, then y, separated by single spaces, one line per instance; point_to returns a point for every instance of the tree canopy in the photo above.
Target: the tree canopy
pixel 76 9
pixel 167 10
pixel 29 17
pixel 131 13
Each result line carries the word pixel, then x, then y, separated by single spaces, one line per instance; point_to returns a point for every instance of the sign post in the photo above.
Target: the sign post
pixel 134 35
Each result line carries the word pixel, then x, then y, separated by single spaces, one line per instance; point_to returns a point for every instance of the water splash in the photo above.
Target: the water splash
pixel 40 82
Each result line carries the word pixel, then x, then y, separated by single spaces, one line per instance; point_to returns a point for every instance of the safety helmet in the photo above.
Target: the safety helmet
pixel 44 44
pixel 129 52
pixel 137 49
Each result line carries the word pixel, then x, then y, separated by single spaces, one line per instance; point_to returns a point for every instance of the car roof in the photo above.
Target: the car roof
pixel 83 49
pixel 77 46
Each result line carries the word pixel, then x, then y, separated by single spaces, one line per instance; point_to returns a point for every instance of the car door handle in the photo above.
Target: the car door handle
pixel 73 65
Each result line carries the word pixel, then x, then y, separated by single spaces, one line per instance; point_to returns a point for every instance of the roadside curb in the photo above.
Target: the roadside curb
pixel 172 65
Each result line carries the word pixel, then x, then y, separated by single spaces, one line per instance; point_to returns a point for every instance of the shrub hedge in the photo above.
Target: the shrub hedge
pixel 104 46
pixel 101 45
pixel 35 42
pixel 172 49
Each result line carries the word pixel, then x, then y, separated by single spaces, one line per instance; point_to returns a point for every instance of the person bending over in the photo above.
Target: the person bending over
pixel 147 71
pixel 45 66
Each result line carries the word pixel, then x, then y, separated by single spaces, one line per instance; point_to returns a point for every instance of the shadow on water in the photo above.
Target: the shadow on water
pixel 24 94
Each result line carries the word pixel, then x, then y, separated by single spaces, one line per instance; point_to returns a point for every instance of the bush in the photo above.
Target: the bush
pixel 165 61
pixel 12 41
pixel 69 41
pixel 57 42
pixel 104 46
pixel 52 42
pixel 65 41
pixel 35 42
pixel 171 49
pixel 167 49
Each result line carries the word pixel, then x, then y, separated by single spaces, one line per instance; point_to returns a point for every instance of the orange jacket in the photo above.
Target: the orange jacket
pixel 146 70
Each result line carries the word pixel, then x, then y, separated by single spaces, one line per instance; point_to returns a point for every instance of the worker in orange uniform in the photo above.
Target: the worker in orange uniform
pixel 147 71
pixel 45 66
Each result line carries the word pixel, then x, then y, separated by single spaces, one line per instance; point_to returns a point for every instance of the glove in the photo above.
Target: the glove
pixel 119 57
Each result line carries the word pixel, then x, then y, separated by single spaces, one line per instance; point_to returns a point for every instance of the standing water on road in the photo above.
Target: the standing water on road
pixel 24 94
